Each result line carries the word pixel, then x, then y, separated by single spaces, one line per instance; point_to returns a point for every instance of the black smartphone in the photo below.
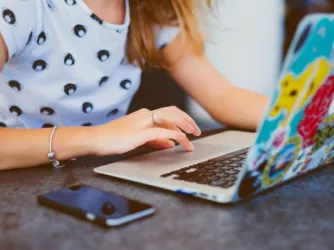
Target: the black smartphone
pixel 96 205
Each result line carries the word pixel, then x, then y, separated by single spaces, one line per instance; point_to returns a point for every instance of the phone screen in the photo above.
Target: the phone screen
pixel 96 205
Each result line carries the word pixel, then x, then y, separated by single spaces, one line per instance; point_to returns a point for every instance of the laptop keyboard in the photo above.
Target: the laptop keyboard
pixel 221 171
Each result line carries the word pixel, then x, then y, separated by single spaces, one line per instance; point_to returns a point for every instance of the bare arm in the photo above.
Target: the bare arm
pixel 3 52
pixel 225 102
pixel 29 147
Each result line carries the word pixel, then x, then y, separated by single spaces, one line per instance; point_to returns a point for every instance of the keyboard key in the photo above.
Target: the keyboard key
pixel 223 175
pixel 217 171
pixel 210 167
pixel 232 178
pixel 218 164
pixel 228 167
pixel 233 172
pixel 214 178
pixel 204 181
pixel 234 165
pixel 227 185
pixel 219 183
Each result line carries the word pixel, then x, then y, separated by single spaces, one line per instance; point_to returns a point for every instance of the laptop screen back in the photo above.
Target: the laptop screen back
pixel 297 134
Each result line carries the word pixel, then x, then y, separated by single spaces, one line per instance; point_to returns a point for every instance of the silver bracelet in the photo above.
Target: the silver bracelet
pixel 51 155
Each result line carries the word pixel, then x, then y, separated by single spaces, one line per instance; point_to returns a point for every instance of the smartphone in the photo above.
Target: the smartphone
pixel 98 206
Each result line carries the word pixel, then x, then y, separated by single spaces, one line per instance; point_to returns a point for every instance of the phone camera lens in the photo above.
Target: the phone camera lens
pixel 108 208
pixel 75 188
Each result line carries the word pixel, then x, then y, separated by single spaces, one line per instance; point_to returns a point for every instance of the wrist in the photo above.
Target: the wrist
pixel 99 144
pixel 95 135
pixel 71 142
pixel 85 140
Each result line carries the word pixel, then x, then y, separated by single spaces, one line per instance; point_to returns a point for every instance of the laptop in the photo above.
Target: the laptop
pixel 295 136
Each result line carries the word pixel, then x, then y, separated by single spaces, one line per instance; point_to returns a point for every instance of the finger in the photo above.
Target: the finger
pixel 145 117
pixel 170 126
pixel 166 134
pixel 165 113
pixel 173 116
pixel 191 121
pixel 160 144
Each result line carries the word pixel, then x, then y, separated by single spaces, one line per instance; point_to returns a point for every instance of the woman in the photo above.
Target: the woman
pixel 62 64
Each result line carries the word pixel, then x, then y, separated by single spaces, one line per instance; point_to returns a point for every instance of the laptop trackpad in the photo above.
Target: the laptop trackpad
pixel 203 151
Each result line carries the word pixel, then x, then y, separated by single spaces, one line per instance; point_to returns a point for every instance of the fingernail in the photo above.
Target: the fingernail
pixel 197 131
pixel 191 146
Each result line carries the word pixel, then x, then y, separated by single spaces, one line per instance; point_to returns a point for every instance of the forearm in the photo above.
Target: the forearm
pixel 29 147
pixel 226 103
pixel 240 108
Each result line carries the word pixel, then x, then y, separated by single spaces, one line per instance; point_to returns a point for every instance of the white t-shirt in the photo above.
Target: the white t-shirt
pixel 66 66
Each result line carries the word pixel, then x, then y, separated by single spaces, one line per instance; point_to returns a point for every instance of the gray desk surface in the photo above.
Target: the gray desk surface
pixel 298 215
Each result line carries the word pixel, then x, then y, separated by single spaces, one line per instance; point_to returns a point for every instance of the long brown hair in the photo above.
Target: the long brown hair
pixel 146 14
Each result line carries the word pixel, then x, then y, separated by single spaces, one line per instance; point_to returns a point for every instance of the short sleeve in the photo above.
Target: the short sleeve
pixel 17 22
pixel 166 35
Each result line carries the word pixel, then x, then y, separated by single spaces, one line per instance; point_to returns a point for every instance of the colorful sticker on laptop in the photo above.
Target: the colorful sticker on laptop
pixel 298 134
